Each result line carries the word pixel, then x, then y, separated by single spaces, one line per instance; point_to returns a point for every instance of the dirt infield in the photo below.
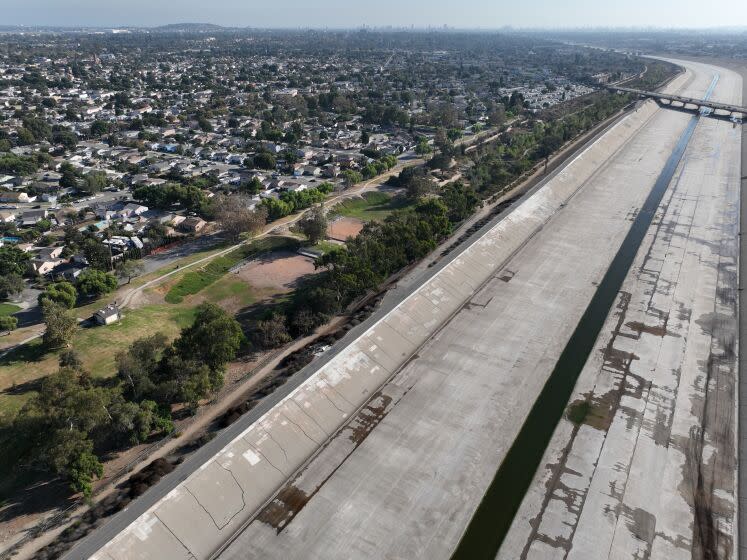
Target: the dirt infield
pixel 342 228
pixel 279 271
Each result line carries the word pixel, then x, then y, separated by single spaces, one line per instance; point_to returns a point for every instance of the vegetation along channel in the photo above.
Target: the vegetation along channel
pixel 494 516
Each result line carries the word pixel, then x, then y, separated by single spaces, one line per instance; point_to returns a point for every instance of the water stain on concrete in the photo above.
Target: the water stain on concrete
pixel 369 417
pixel 281 511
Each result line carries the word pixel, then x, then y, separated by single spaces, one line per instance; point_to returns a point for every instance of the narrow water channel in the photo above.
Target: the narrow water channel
pixel 496 511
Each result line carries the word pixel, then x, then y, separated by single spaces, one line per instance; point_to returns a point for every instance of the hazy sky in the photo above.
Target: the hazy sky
pixel 353 13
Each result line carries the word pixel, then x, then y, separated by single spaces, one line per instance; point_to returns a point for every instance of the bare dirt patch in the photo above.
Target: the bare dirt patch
pixel 342 228
pixel 279 271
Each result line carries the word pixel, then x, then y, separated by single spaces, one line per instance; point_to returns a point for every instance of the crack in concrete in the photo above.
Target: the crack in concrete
pixel 345 414
pixel 297 425
pixel 269 434
pixel 303 411
pixel 191 554
pixel 243 501
pixel 258 450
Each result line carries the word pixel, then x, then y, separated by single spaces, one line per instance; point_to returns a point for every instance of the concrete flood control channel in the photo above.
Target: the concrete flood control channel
pixel 557 253
pixel 493 517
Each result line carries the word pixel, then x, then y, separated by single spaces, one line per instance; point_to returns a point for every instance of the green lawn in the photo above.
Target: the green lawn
pixel 324 247
pixel 96 346
pixel 231 288
pixel 196 280
pixel 8 309
pixel 372 206
pixel 184 261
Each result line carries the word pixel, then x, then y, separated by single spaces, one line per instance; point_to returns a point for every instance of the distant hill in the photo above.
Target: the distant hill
pixel 189 28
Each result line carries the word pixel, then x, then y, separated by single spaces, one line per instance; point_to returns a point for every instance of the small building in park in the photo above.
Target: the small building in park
pixel 108 315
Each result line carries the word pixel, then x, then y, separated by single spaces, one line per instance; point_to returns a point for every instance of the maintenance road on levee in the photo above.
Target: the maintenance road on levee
pixel 565 386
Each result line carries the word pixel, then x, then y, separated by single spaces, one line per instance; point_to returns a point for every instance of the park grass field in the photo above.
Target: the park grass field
pixel 97 346
pixel 371 206
pixel 8 309
pixel 325 247
pixel 194 281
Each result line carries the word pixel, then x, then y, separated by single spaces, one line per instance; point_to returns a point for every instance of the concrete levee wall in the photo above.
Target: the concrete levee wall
pixel 214 502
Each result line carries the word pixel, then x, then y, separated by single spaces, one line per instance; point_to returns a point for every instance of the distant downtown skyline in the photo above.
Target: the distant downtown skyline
pixel 486 14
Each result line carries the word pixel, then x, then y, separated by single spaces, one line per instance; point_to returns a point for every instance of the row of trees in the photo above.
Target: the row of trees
pixel 292 201
pixel 379 250
pixel 381 165
pixel 12 164
pixel 498 164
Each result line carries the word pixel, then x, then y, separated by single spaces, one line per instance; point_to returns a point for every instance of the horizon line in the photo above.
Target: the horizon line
pixel 383 27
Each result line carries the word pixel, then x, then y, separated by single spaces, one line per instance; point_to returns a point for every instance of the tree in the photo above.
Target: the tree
pixel 252 187
pixel 10 285
pixel 61 293
pixel 95 283
pixel 271 332
pixel 69 179
pixel 66 138
pixel 460 200
pixel 184 380
pixel 417 187
pixel 8 323
pixel 369 171
pixel 548 145
pixel 137 366
pixel 56 425
pixel 93 182
pixel 441 160
pixel 516 102
pixel 204 124
pixel 71 455
pixel 303 322
pixel 97 254
pixel 130 269
pixel 16 165
pixel 12 260
pixel 133 423
pixel 314 224
pixel 496 114
pixel 25 137
pixel 60 324
pixel 156 233
pixel 99 128
pixel 265 160
pixel 70 359
pixel 38 127
pixel 235 217
pixel 214 338
pixel 423 147
pixel 165 196
pixel 441 140
pixel 351 177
